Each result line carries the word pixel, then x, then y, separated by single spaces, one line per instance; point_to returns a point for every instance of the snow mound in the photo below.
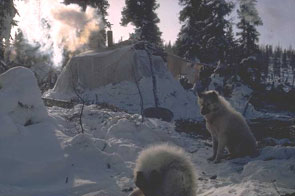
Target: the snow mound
pixel 119 76
pixel 20 100
pixel 30 152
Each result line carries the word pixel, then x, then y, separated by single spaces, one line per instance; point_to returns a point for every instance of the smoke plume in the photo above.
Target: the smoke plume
pixel 56 26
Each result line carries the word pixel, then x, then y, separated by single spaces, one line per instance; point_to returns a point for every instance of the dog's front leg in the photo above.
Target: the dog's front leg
pixel 220 149
pixel 215 144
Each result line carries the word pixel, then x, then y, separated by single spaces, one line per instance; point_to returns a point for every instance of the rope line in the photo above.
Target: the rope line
pixel 153 75
pixel 138 88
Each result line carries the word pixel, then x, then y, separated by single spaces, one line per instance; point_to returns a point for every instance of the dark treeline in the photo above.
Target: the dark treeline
pixel 276 65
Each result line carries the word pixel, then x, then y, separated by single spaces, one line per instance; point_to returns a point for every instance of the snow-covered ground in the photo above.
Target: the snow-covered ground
pixel 44 153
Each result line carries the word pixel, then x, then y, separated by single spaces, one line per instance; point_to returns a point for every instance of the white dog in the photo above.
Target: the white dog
pixel 228 127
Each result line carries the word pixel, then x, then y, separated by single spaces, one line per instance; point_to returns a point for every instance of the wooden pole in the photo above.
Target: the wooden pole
pixel 110 38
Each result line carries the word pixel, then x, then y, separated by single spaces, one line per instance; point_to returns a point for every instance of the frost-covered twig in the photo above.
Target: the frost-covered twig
pixel 80 117
pixel 247 104
pixel 139 92
pixel 81 99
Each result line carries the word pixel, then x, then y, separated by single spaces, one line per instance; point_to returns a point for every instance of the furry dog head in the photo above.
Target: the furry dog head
pixel 209 102
pixel 164 170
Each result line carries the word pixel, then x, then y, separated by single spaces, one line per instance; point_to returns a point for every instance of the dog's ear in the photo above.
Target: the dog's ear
pixel 200 94
pixel 213 95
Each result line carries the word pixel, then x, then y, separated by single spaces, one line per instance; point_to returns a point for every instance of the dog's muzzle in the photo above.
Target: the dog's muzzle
pixel 205 111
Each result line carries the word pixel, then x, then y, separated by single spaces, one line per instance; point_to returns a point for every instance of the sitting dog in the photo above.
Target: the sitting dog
pixel 227 127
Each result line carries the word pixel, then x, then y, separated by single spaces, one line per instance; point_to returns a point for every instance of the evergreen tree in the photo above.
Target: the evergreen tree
pixel 263 61
pixel 289 52
pixel 141 14
pixel 292 64
pixel 168 47
pixel 277 63
pixel 249 20
pixel 266 61
pixel 231 56
pixel 7 13
pixel 22 53
pixel 269 50
pixel 284 66
pixel 203 33
pixel 269 55
pixel 192 17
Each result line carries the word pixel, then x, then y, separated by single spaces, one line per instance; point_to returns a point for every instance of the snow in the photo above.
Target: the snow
pixel 250 176
pixel 51 156
pixel 24 103
pixel 30 152
pixel 122 136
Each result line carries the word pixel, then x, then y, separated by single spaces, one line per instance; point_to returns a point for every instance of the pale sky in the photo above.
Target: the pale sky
pixel 278 17
pixel 278 22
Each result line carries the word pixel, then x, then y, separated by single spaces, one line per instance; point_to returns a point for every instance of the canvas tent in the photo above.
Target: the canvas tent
pixel 119 77
pixel 180 67
pixel 92 70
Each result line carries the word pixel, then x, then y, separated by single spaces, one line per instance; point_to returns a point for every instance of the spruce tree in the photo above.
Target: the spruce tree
pixel 168 47
pixel 248 34
pixel 277 63
pixel 284 66
pixel 141 14
pixel 266 61
pixel 231 57
pixel 192 15
pixel 262 62
pixel 24 53
pixel 215 36
pixel 7 12
pixel 203 31
pixel 292 64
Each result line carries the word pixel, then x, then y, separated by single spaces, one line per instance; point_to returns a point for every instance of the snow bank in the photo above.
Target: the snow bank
pixel 20 99
pixel 30 152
